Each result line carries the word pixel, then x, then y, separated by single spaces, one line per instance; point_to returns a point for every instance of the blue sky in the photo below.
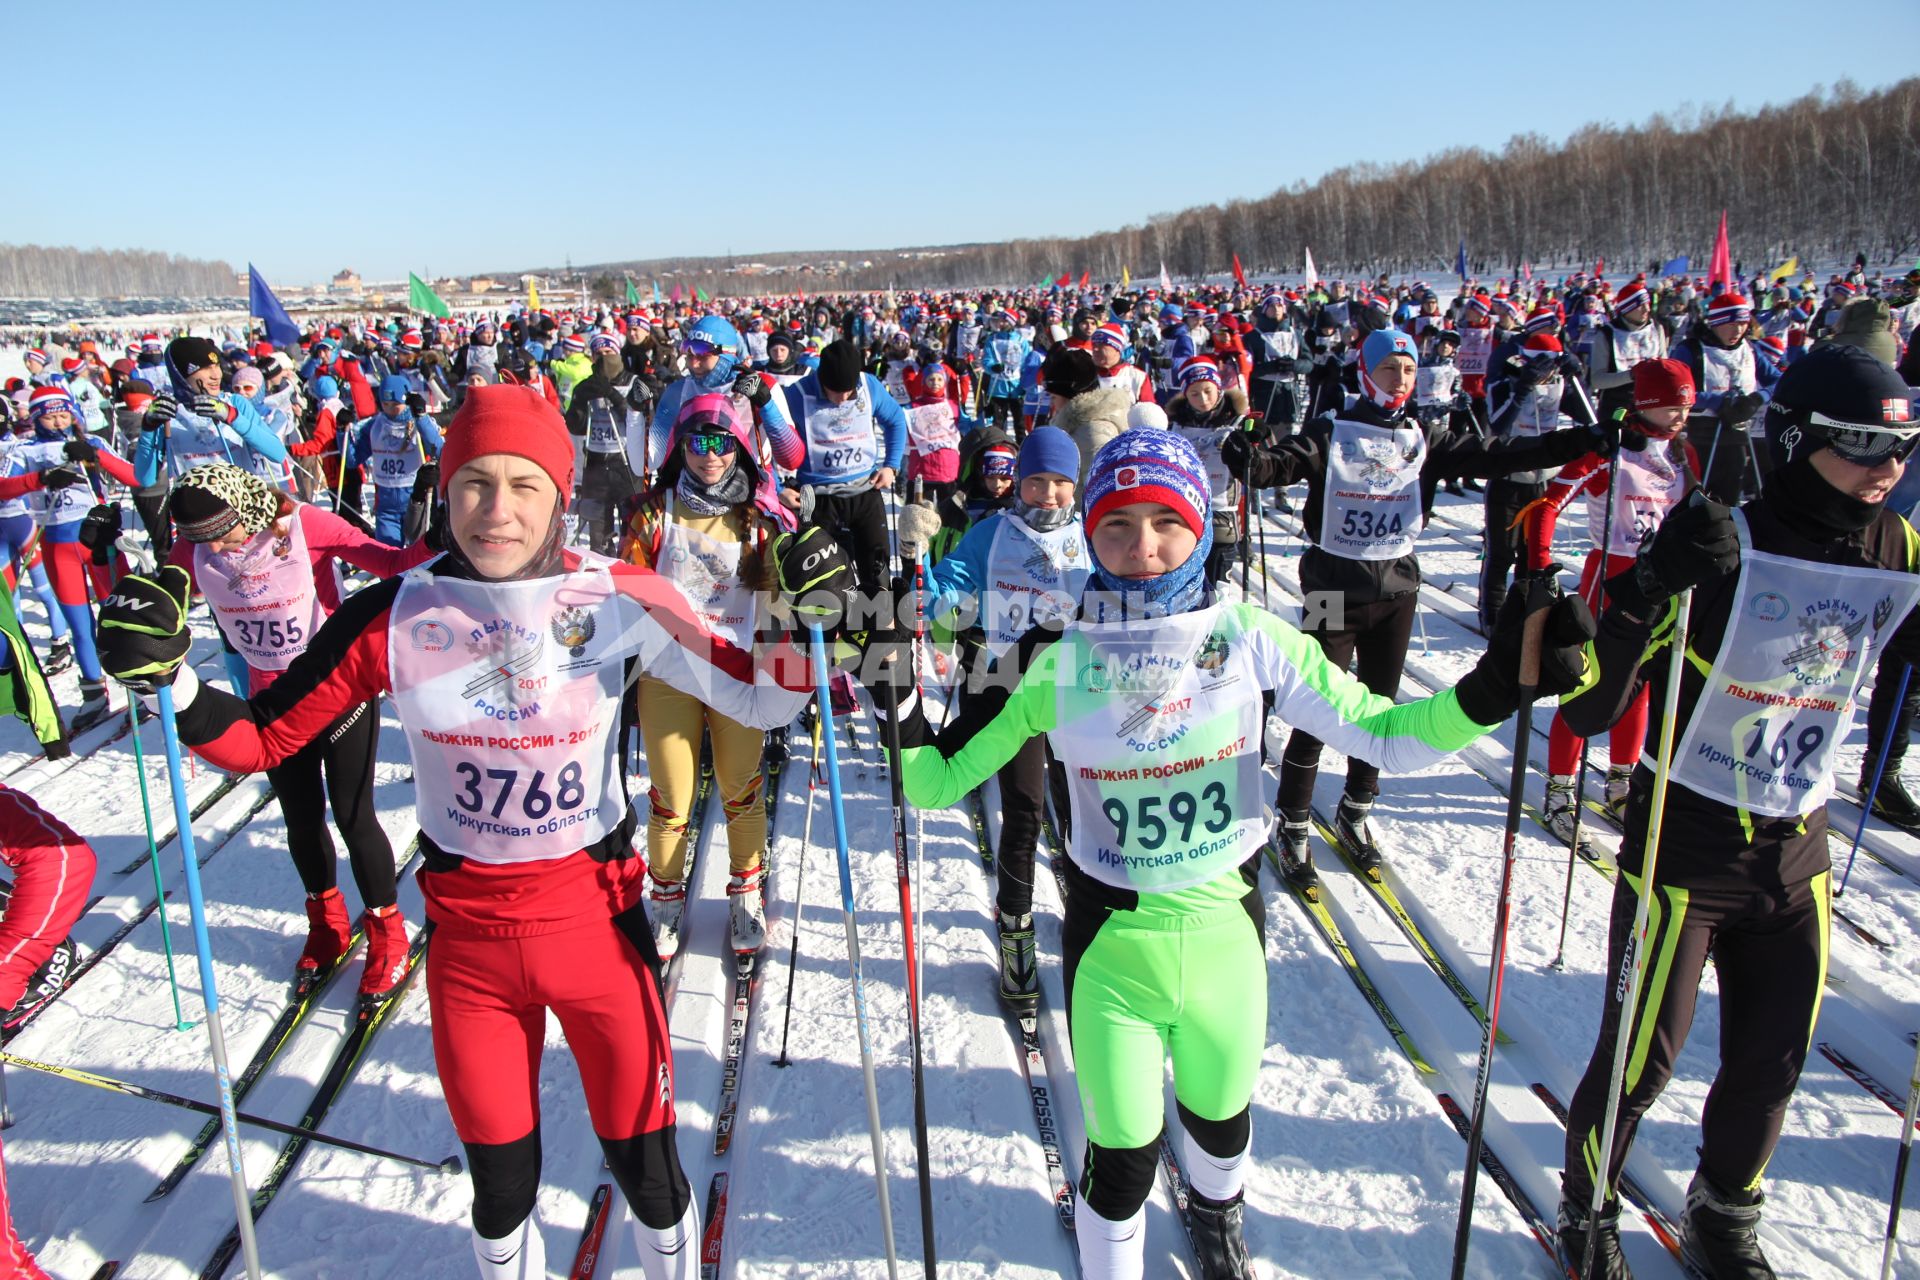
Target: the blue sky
pixel 487 136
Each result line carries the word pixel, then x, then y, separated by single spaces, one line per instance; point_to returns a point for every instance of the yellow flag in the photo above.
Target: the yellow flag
pixel 1126 277
pixel 1785 269
pixel 533 296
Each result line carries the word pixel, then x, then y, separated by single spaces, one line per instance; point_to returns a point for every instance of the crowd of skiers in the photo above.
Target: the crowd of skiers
pixel 674 489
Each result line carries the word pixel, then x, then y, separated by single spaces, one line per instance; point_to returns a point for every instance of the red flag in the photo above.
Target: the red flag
pixel 1720 272
pixel 1066 278
pixel 1085 276
pixel 1600 266
pixel 1239 276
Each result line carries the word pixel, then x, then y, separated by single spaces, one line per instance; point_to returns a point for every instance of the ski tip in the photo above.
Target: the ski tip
pixel 453 1164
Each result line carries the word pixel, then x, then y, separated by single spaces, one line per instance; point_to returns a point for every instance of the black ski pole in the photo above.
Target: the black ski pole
pixel 799 891
pixel 1539 600
pixel 1900 1169
pixel 1879 771
pixel 451 1164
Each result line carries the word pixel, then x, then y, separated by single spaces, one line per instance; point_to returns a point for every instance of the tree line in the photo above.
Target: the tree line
pixel 48 271
pixel 1831 174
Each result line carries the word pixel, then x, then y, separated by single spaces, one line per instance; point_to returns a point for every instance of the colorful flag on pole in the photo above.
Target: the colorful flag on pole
pixel 266 308
pixel 1720 268
pixel 421 297
pixel 702 295
pixel 1460 259
pixel 1065 279
pixel 533 296
pixel 673 294
pixel 633 294
pixel 656 291
pixel 1784 270
pixel 1239 276
pixel 1166 281
pixel 1313 277
pixel 1677 266
pixel 1126 277
pixel 1085 278
pixel 1600 266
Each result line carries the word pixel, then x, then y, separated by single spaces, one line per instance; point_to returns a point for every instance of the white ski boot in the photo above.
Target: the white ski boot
pixel 747 904
pixel 666 907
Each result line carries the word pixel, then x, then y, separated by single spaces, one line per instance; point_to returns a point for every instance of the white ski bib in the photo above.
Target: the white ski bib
pixel 1372 506
pixel 840 437
pixel 707 572
pixel 509 691
pixel 1780 694
pixel 1159 731
pixel 1644 486
pixel 395 452
pixel 1476 348
pixel 1033 578
pixel 263 595
pixel 605 434
pixel 931 428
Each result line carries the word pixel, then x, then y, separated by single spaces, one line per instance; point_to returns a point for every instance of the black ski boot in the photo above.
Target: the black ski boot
pixel 1356 833
pixel 1892 802
pixel 1721 1233
pixel 776 752
pixel 1619 782
pixel 93 706
pixel 1217 1237
pixel 1296 856
pixel 59 658
pixel 1019 970
pixel 1608 1262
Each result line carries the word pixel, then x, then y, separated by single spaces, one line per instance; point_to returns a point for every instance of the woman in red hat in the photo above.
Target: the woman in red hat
pixel 507 658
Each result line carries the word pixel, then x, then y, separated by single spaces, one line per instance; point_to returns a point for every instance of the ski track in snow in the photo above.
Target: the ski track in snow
pixel 1355 1172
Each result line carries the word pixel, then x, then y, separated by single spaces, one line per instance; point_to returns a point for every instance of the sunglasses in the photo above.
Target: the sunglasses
pixel 1866 446
pixel 712 445
pixel 699 347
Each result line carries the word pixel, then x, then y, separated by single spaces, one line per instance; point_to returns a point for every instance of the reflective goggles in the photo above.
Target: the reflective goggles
pixel 1865 445
pixel 701 347
pixel 712 445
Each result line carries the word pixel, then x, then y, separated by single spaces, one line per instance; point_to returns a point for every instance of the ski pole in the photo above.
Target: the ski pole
pixel 1539 601
pixel 209 990
pixel 818 645
pixel 1900 1169
pixel 1637 956
pixel 6 1108
pixel 1879 768
pixel 799 891
pixel 180 1022
pixel 451 1164
pixel 908 921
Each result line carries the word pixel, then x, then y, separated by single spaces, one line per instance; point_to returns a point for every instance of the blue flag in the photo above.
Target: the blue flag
pixel 1460 260
pixel 1676 266
pixel 264 307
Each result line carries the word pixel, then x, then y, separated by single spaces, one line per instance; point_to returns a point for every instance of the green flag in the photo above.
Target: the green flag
pixel 702 295
pixel 421 297
pixel 633 294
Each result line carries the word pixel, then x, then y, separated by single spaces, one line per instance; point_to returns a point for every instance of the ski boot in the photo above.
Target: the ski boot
pixel 386 956
pixel 1619 778
pixel 1019 970
pixel 1891 800
pixel 328 935
pixel 93 706
pixel 1721 1233
pixel 776 752
pixel 747 904
pixel 1608 1262
pixel 59 658
pixel 706 760
pixel 1217 1237
pixel 1296 858
pixel 1560 816
pixel 666 907
pixel 1356 833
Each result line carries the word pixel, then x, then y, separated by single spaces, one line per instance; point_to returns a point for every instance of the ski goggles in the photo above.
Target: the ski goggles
pixel 712 444
pixel 701 347
pixel 1865 445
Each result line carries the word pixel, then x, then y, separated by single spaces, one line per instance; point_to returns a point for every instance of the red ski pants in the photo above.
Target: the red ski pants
pixel 490 998
pixel 1629 734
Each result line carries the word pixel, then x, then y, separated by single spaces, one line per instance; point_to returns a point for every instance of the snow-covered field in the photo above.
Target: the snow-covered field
pixel 1357 1167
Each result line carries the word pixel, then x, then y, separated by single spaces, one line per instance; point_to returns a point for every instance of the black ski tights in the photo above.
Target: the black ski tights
pixel 1118 1180
pixel 506 1179
pixel 1373 638
pixel 346 752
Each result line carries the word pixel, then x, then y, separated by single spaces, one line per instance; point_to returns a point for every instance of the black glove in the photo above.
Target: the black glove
pixel 639 394
pixel 816 575
pixel 158 413
pixel 143 636
pixel 100 531
pixel 82 452
pixel 212 406
pixel 1526 372
pixel 1696 543
pixel 1236 451
pixel 1491 691
pixel 62 477
pixel 1572 365
pixel 426 480
pixel 753 388
pixel 416 404
pixel 1735 410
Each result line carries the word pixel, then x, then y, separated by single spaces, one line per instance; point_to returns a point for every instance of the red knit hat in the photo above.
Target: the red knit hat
pixel 509 419
pixel 1662 384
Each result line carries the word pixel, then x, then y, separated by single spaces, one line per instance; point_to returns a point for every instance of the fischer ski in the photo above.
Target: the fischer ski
pixel 1865 1079
pixel 1664 1229
pixel 586 1259
pixel 346 1058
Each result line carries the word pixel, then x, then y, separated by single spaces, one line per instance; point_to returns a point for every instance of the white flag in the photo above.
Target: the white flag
pixel 1166 282
pixel 1313 277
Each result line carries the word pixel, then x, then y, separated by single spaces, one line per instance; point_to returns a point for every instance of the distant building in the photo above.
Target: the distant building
pixel 345 280
pixel 483 284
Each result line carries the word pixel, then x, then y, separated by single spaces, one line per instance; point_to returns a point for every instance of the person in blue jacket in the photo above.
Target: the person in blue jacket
pixel 1002 356
pixel 855 436
pixel 196 423
pixel 394 444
